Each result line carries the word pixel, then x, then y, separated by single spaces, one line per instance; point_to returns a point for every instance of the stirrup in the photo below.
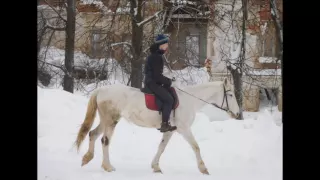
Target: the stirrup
pixel 172 128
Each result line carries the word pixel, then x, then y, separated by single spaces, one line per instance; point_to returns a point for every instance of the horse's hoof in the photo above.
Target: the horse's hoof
pixel 86 158
pixel 108 168
pixel 205 171
pixel 157 171
pixel 156 168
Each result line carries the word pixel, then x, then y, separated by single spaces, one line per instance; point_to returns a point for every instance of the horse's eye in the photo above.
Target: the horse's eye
pixel 230 95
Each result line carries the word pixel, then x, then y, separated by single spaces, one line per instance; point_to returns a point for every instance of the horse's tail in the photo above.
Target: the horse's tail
pixel 88 121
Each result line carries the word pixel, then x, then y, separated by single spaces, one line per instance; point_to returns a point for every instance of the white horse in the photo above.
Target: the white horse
pixel 117 101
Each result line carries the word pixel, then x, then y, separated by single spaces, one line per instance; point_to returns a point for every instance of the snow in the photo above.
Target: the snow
pixel 119 43
pixel 188 76
pixel 43 7
pixel 123 10
pixel 267 59
pixel 183 2
pixel 135 11
pixel 265 72
pixel 98 3
pixel 263 28
pixel 149 18
pixel 245 150
pixel 56 57
pixel 235 54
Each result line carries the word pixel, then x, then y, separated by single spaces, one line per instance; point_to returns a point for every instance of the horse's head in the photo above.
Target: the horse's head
pixel 228 100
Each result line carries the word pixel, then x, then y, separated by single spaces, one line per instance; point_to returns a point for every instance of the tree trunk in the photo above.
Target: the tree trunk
pixel 40 39
pixel 238 71
pixel 237 82
pixel 43 29
pixel 277 22
pixel 68 82
pixel 137 37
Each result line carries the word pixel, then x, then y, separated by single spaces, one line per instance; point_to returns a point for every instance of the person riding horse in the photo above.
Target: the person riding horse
pixel 157 82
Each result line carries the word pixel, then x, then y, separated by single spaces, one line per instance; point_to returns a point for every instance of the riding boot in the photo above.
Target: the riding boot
pixel 165 126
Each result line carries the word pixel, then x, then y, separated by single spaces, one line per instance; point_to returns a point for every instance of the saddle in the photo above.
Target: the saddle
pixel 154 103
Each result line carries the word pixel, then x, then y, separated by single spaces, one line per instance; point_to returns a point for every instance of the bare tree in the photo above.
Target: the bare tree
pixel 49 45
pixel 47 27
pixel 69 28
pixel 137 34
pixel 103 42
pixel 68 84
pixel 237 68
pixel 244 31
pixel 275 14
pixel 125 33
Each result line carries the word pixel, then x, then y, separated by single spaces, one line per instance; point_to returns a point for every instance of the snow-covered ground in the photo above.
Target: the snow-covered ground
pixel 232 150
pixel 115 73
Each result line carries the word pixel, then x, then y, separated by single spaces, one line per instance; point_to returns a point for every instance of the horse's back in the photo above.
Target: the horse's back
pixel 118 94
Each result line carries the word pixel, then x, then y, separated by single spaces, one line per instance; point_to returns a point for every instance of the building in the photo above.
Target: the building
pixel 197 32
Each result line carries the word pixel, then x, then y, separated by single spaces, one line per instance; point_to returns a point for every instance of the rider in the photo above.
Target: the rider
pixel 157 82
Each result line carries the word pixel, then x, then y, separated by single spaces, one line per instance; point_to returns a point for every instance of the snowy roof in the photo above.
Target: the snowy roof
pixel 183 2
pixel 265 72
pixel 267 59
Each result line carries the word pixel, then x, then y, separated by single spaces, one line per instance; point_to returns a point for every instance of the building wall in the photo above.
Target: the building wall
pixel 187 44
pixel 261 40
pixel 114 28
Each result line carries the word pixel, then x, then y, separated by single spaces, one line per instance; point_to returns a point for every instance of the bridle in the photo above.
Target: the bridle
pixel 225 93
pixel 214 104
pixel 224 98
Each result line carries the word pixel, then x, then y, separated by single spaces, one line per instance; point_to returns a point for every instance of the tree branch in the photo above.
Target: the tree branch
pixel 49 26
pixel 121 43
pixel 149 19
pixel 55 11
pixel 64 70
pixel 55 28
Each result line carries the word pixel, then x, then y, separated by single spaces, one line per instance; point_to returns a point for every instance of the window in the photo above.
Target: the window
pixel 268 48
pixel 193 49
pixel 268 43
pixel 180 47
pixel 265 12
pixel 187 48
pixel 98 42
pixel 58 3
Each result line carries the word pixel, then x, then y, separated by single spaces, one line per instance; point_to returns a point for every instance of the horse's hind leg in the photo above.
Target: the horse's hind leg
pixel 188 136
pixel 165 139
pixel 105 140
pixel 93 135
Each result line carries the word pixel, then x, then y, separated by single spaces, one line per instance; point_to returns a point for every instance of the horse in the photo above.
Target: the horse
pixel 115 101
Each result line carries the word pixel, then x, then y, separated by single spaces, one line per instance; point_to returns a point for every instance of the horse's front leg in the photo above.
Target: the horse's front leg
pixel 106 165
pixel 188 136
pixel 165 139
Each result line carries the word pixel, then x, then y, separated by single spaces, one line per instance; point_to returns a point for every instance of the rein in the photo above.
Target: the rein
pixel 214 104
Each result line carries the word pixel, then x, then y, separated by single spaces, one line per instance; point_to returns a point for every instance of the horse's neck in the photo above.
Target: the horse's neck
pixel 207 92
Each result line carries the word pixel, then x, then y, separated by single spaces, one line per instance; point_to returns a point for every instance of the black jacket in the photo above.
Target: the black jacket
pixel 154 67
